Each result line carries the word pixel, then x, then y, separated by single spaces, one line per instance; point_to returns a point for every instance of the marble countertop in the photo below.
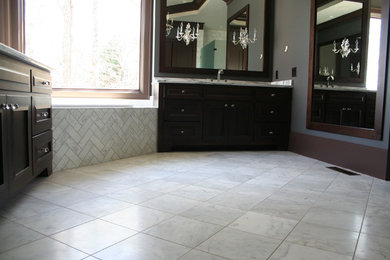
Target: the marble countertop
pixel 342 88
pixel 278 84
pixel 5 50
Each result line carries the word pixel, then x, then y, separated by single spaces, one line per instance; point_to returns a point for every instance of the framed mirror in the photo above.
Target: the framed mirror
pixel 348 53
pixel 204 36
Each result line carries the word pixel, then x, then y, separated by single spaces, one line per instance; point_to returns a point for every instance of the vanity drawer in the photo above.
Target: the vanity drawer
pixel 14 75
pixel 226 92
pixel 273 94
pixel 177 110
pixel 40 81
pixel 272 111
pixel 42 114
pixel 43 153
pixel 182 91
pixel 270 131
pixel 182 133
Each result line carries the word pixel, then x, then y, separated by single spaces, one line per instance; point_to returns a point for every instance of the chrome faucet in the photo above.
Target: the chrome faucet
pixel 219 74
pixel 328 79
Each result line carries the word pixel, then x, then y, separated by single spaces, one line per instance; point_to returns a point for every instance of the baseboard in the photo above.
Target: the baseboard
pixel 364 159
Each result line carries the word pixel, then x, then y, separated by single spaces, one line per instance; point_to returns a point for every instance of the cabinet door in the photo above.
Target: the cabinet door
pixel 240 122
pixel 214 122
pixel 19 141
pixel 3 151
pixel 352 116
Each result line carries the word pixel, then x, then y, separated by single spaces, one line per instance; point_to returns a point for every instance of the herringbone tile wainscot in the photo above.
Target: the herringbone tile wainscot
pixel 86 136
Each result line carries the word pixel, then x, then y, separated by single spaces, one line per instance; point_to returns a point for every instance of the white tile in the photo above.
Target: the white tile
pixel 213 214
pixel 373 247
pixel 290 251
pixel 162 186
pixel 135 195
pixel 44 249
pixel 14 235
pixel 265 225
pixel 325 238
pixel 100 206
pixel 184 231
pixel 199 255
pixel 282 208
pixel 235 244
pixel 171 204
pixel 93 236
pixel 143 247
pixel 137 217
pixel 238 200
pixel 196 193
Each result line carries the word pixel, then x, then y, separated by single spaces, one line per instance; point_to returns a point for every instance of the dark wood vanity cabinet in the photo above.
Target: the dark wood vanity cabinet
pixel 22 107
pixel 349 108
pixel 207 116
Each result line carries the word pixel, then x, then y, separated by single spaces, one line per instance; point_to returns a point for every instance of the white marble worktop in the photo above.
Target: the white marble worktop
pixel 342 88
pixel 279 84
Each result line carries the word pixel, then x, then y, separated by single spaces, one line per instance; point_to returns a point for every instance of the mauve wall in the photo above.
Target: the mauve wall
pixel 86 136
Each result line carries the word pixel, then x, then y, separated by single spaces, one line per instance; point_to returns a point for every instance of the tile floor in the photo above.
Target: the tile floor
pixel 200 205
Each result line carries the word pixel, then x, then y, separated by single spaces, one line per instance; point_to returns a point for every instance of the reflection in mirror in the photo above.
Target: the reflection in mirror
pixel 347 95
pixel 210 47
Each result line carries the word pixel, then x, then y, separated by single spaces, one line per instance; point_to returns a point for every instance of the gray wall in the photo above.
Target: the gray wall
pixel 292 28
pixel 86 136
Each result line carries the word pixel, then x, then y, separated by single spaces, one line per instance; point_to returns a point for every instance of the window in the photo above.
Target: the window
pixel 96 48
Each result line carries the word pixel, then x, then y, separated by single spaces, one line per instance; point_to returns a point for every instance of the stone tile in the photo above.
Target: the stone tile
pixel 13 235
pixel 43 249
pixel 373 247
pixel 135 195
pixel 162 186
pixel 100 206
pixel 325 238
pixel 55 221
pixel 137 217
pixel 238 200
pixel 199 255
pixel 282 208
pixel 213 214
pixel 171 204
pixel 143 247
pixel 239 245
pixel 196 193
pixel 290 251
pixel 93 236
pixel 265 225
pixel 184 231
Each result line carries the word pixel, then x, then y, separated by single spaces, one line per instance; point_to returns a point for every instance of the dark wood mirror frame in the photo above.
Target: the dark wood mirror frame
pixel 376 132
pixel 266 74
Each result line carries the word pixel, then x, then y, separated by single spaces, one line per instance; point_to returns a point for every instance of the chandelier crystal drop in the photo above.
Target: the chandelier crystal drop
pixel 168 25
pixel 345 48
pixel 189 34
pixel 243 39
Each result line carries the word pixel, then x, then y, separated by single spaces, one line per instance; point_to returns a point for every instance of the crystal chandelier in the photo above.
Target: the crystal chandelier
pixel 243 39
pixel 168 25
pixel 187 36
pixel 345 49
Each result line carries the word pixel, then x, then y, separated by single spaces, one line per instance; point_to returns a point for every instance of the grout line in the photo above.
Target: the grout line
pixel 364 216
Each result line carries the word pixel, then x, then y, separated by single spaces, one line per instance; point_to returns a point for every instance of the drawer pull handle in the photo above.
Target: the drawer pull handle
pixel 271 133
pixel 45 83
pixel 181 131
pixel 5 106
pixel 44 114
pixel 233 105
pixel 349 109
pixel 183 91
pixel 273 94
pixel 14 106
pixel 226 105
pixel 45 150
pixel 271 112
pixel 182 110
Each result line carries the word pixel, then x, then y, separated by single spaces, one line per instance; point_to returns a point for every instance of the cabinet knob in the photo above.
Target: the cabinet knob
pixel 343 109
pixel 349 109
pixel 181 131
pixel 271 133
pixel 45 150
pixel 182 110
pixel 5 106
pixel 14 106
pixel 271 112
pixel 273 94
pixel 44 114
pixel 226 105
pixel 45 83
pixel 183 91
pixel 232 105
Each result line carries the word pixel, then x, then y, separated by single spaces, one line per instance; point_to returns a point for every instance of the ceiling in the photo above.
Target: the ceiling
pixel 336 8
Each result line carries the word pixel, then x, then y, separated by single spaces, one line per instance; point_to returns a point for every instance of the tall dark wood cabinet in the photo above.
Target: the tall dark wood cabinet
pixel 223 117
pixel 25 111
